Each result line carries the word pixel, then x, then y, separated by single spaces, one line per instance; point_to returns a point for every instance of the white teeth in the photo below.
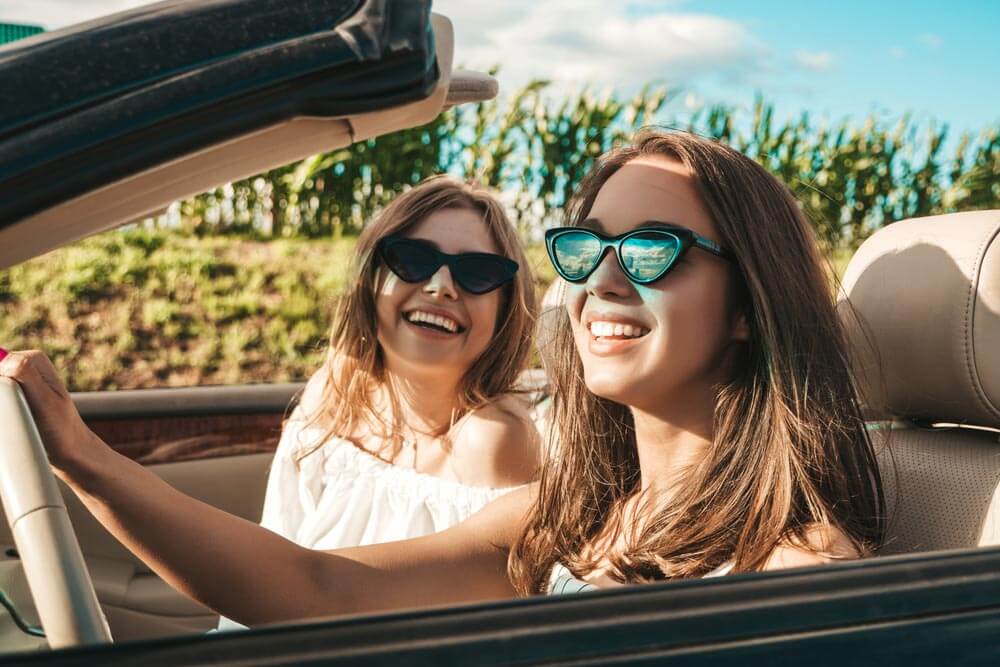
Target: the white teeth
pixel 605 329
pixel 437 320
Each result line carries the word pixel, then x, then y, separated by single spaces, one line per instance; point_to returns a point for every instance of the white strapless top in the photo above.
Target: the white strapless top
pixel 342 496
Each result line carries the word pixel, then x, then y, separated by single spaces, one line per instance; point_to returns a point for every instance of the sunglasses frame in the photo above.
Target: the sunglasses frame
pixel 446 259
pixel 686 239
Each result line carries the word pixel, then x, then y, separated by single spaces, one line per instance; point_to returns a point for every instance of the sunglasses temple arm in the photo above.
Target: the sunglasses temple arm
pixel 713 247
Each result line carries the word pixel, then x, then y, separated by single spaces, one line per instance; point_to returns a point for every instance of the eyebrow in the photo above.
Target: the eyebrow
pixel 662 223
pixel 596 225
pixel 423 240
pixel 460 252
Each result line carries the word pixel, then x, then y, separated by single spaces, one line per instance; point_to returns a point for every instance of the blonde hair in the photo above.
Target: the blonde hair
pixel 790 447
pixel 355 366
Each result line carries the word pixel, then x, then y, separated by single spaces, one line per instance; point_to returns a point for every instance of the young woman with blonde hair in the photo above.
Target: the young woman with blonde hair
pixel 413 422
pixel 705 411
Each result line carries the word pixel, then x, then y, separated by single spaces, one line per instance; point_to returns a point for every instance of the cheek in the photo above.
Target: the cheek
pixel 484 313
pixel 388 287
pixel 389 297
pixel 692 326
pixel 576 297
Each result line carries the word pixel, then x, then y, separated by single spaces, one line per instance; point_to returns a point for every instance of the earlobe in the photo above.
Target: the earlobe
pixel 741 329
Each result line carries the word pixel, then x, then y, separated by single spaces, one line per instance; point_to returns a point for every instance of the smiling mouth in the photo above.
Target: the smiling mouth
pixel 433 322
pixel 600 330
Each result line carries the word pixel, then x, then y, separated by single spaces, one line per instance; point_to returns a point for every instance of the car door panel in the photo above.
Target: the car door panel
pixel 219 441
pixel 137 602
pixel 922 609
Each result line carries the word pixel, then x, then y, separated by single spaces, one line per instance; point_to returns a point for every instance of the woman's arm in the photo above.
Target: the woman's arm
pixel 242 570
pixel 465 563
pixel 254 576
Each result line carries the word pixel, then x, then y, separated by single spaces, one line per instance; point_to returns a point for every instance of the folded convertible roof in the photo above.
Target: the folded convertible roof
pixel 100 101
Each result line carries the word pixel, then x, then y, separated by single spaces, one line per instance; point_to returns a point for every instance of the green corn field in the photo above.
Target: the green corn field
pixel 851 177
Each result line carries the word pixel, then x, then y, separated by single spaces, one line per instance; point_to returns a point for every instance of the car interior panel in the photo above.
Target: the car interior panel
pixel 169 425
pixel 137 603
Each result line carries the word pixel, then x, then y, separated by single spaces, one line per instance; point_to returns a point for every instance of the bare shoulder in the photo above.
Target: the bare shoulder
pixel 497 445
pixel 824 544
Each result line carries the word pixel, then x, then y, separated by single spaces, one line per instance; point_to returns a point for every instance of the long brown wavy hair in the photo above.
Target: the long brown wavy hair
pixel 355 365
pixel 790 449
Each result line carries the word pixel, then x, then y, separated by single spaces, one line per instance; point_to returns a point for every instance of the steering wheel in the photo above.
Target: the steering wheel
pixel 49 551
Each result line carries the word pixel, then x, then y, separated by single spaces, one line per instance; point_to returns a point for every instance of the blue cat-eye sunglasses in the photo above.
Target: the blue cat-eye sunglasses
pixel 645 254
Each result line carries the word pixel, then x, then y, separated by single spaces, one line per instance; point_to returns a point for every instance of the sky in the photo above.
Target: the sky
pixel 847 59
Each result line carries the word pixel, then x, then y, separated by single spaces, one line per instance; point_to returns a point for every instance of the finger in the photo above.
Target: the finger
pixel 20 367
pixel 10 365
pixel 41 362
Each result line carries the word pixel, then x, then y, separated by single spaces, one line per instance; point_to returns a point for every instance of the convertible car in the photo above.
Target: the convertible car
pixel 108 122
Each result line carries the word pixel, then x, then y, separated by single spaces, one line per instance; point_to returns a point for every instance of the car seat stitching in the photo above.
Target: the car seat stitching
pixel 970 362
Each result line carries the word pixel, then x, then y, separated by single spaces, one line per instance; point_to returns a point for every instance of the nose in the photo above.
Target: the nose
pixel 608 279
pixel 441 284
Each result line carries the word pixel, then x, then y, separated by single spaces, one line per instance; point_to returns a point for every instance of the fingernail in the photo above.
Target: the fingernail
pixel 3 353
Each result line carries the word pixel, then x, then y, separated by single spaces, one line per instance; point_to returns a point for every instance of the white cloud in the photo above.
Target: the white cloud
pixel 587 41
pixel 931 40
pixel 897 52
pixel 818 61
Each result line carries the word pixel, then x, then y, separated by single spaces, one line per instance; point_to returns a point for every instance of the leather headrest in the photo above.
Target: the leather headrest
pixel 925 326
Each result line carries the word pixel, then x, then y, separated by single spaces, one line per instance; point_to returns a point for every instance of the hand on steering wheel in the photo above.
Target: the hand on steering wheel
pixel 50 554
pixel 63 431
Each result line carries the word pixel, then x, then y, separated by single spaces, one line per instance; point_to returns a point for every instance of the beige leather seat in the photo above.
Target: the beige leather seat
pixel 926 294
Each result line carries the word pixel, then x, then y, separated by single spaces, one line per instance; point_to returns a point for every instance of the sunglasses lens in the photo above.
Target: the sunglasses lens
pixel 483 273
pixel 648 255
pixel 412 261
pixel 575 254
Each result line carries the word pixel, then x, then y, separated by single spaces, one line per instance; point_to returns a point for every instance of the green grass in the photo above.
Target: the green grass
pixel 140 308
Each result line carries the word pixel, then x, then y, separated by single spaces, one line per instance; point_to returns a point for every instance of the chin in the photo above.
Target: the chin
pixel 611 386
pixel 430 362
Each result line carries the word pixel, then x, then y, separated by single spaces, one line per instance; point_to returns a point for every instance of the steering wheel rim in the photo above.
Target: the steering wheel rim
pixel 50 553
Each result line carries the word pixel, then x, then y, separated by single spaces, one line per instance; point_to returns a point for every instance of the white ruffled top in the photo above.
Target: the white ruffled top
pixel 342 496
